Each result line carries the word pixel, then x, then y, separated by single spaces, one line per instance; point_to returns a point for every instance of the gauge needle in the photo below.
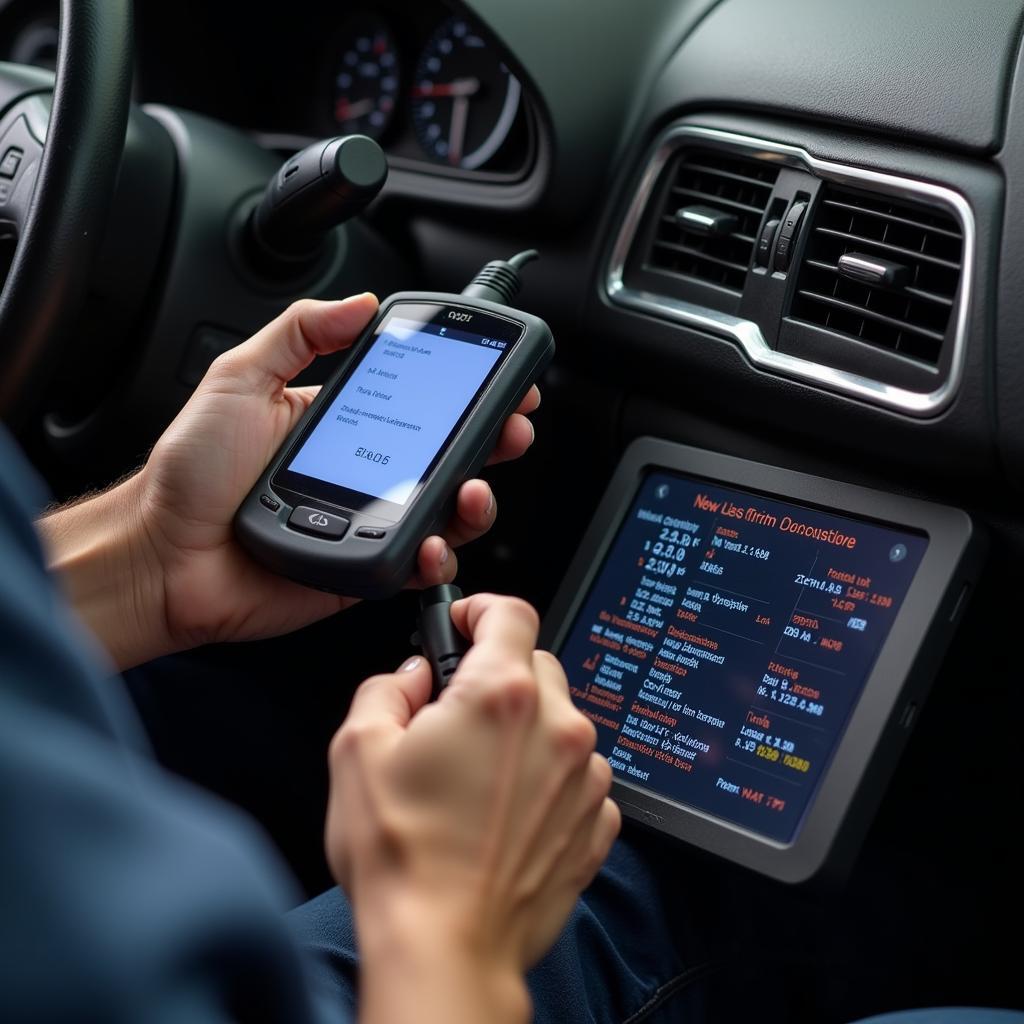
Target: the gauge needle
pixel 457 132
pixel 464 87
pixel 345 111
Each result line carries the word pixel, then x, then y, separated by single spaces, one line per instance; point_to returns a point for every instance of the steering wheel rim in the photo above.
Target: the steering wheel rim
pixel 62 226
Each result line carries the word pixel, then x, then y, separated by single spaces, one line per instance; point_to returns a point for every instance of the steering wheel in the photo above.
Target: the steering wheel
pixel 56 183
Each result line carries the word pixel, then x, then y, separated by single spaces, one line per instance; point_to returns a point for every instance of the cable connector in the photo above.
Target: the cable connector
pixel 443 645
pixel 499 280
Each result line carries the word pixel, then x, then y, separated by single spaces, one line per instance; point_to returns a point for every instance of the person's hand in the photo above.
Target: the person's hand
pixel 152 565
pixel 464 830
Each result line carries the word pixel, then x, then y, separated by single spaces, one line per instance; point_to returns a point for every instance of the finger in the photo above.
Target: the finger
pixel 606 831
pixel 304 396
pixel 531 403
pixel 558 823
pixel 287 345
pixel 299 400
pixel 516 436
pixel 503 631
pixel 598 838
pixel 436 563
pixel 392 699
pixel 475 512
pixel 550 674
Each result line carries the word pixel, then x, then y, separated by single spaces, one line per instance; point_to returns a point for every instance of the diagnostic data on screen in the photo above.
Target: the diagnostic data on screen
pixel 397 409
pixel 725 643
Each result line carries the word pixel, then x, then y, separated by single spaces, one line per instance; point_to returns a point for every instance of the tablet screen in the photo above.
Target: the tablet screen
pixel 726 640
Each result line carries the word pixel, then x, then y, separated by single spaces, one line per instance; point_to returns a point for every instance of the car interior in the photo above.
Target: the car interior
pixel 781 231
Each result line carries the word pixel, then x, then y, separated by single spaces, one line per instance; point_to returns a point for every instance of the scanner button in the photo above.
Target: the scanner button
pixel 321 524
pixel 370 532
pixel 268 502
pixel 11 162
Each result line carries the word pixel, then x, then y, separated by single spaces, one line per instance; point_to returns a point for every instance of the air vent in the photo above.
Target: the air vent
pixel 896 287
pixel 710 217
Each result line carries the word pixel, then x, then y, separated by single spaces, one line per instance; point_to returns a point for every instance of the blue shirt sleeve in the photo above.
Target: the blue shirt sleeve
pixel 127 895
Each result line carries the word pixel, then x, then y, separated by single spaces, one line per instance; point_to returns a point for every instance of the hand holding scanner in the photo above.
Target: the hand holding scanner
pixel 374 466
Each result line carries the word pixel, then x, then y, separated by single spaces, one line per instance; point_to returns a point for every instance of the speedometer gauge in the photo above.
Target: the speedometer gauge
pixel 366 78
pixel 465 99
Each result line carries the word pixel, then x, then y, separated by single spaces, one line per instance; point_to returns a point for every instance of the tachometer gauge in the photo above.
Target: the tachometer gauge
pixel 366 79
pixel 465 99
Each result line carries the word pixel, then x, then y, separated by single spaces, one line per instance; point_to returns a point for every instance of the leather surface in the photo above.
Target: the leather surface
pixel 936 70
pixel 64 226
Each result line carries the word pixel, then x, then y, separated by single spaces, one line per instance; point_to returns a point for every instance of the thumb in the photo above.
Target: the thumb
pixel 391 700
pixel 288 344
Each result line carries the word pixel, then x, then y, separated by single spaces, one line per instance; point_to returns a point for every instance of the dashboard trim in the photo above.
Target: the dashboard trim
pixel 746 333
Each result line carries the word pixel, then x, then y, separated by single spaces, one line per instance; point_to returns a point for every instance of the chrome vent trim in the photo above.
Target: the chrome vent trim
pixel 701 176
pixel 856 237
pixel 746 333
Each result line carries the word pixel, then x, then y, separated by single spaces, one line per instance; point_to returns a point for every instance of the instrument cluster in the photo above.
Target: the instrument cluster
pixel 441 95
pixel 430 85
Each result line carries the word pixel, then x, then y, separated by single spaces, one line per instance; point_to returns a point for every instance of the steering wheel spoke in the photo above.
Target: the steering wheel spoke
pixel 22 137
pixel 59 162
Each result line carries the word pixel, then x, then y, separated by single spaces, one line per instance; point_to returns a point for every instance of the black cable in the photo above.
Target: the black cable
pixel 499 280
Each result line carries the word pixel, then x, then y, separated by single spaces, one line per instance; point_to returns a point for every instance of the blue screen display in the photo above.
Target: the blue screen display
pixel 726 640
pixel 398 408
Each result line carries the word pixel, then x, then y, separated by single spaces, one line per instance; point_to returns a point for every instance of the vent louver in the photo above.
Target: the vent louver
pixel 921 249
pixel 729 195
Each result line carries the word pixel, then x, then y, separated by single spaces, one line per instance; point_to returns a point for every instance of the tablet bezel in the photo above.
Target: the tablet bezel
pixel 847 794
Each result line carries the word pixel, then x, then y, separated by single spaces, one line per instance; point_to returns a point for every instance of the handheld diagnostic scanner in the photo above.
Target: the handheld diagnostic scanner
pixel 373 467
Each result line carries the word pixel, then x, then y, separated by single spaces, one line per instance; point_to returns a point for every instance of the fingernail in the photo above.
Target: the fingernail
pixel 444 554
pixel 411 664
pixel 490 503
pixel 533 431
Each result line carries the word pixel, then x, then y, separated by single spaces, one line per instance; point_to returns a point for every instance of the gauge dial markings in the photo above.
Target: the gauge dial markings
pixel 465 99
pixel 366 83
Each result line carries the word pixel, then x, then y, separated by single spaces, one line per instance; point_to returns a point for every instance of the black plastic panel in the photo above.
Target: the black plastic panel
pixel 589 65
pixel 915 69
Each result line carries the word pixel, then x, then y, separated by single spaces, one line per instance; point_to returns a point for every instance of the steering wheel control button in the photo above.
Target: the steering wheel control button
pixel 11 162
pixel 787 235
pixel 370 533
pixel 320 524
pixel 268 502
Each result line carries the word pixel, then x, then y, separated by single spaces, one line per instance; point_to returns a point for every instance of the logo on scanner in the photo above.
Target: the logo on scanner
pixel 461 317
pixel 318 519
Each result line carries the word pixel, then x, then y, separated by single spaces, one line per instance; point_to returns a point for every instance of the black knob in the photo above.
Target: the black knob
pixel 313 192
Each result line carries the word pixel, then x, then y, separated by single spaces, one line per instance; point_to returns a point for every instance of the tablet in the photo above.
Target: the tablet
pixel 753 646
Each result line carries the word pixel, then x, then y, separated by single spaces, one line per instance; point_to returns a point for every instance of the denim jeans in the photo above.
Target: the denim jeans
pixel 624 955
pixel 648 941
